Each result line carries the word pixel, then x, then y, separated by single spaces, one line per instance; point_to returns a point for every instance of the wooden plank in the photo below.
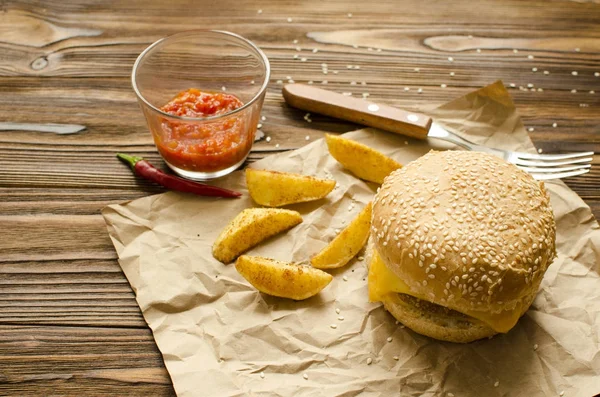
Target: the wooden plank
pixel 60 361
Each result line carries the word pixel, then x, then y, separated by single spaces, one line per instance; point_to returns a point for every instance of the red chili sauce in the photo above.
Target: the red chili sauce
pixel 207 146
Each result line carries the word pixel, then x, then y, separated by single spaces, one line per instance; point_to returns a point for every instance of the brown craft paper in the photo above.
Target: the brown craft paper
pixel 220 337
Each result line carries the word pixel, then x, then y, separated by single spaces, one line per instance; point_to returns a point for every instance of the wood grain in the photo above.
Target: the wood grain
pixel 69 322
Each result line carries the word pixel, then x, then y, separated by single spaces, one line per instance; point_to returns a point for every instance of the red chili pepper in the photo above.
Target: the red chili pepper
pixel 148 171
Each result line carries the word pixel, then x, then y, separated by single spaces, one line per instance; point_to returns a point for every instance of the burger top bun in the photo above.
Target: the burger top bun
pixel 466 230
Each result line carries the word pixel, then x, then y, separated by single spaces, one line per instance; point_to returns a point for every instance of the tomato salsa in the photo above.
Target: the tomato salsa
pixel 207 146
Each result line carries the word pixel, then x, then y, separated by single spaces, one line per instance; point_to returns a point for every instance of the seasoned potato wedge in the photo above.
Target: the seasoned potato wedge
pixel 346 244
pixel 286 280
pixel 250 227
pixel 274 189
pixel 361 160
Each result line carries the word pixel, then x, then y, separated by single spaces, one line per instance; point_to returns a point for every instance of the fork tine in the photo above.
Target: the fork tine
pixel 546 170
pixel 551 163
pixel 530 156
pixel 542 177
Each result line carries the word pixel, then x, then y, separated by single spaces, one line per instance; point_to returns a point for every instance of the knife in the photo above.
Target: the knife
pixel 61 129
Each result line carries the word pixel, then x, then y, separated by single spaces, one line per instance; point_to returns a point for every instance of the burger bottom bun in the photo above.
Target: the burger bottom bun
pixel 435 321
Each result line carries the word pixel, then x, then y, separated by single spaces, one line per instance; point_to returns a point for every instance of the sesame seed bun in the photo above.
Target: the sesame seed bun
pixel 464 230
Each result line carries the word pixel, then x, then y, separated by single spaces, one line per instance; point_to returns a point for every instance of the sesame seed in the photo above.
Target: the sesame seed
pixel 534 69
pixel 597 74
pixel 277 145
pixel 290 81
pixel 263 118
pixel 535 347
pixel 305 376
pixel 389 339
pixel 450 59
pixel 259 12
pixel 268 139
pixel 295 42
pixel 259 126
pixel 361 258
pixel 349 15
pixel 574 73
pixel 337 311
pixel 369 361
pixel 554 125
pixel 420 90
pixel 396 358
pixel 315 50
pixel 341 318
pixel 573 91
pixel 530 129
pixel 406 88
pixel 417 69
pixel 289 19
pixel 333 326
pixel 546 72
pixel 512 85
pixel 443 85
pixel 515 50
pixel 262 375
pixel 252 82
pixel 302 59
pixel 530 56
pixel 562 393
pixel 345 278
pixel 307 138
pixel 450 394
pixel 223 88
pixel 470 36
pixel 496 384
pixel 592 92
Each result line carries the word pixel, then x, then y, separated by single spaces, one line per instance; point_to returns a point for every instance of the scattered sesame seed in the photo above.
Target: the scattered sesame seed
pixel 259 12
pixel 396 358
pixel 277 145
pixel 452 74
pixel 337 310
pixel 333 326
pixel 470 36
pixel 335 72
pixel 420 90
pixel 530 129
pixel 574 73
pixel 540 150
pixel 353 83
pixel 592 92
pixel 496 384
pixel 223 88
pixel 562 393
pixel 349 15
pixel 315 50
pixel 369 361
pixel 534 69
pixel 530 56
pixel 554 125
pixel 295 42
pixel 347 93
pixel 268 139
pixel 389 339
pixel 307 138
pixel 535 347
pixel 305 376
pixel 450 59
pixel 530 85
pixel 324 82
pixel 259 125
pixel 417 70
pixel 298 49
pixel 345 278
pixel 597 74
pixel 295 56
pixel 252 82
pixel 478 50
pixel 289 19
pixel 365 94
pixel 291 81
pixel 262 375
pixel 406 88
pixel 443 85
pixel 573 91
pixel 577 49
pixel 546 72
pixel 515 51
pixel 450 394
pixel 302 59
pixel 310 82
pixel 370 49
pixel 263 118
pixel 512 85
pixel 341 318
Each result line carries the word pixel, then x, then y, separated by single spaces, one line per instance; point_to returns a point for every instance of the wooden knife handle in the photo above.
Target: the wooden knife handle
pixel 359 111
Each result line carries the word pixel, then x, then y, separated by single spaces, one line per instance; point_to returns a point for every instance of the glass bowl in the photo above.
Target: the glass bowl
pixel 217 64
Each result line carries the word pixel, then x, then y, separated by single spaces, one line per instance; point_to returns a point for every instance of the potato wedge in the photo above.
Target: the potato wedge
pixel 286 280
pixel 274 189
pixel 363 161
pixel 250 227
pixel 346 244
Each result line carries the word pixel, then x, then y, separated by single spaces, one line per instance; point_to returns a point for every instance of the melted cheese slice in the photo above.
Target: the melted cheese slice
pixel 383 281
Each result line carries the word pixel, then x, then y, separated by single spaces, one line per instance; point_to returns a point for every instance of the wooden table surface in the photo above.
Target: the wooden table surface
pixel 69 323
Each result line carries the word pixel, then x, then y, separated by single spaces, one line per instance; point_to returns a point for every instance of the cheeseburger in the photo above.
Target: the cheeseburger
pixel 461 241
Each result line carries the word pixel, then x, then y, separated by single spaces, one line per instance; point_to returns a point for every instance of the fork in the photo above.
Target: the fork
pixel 540 166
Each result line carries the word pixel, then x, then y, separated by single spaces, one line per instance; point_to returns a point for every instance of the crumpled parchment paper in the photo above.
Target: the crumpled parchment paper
pixel 220 337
